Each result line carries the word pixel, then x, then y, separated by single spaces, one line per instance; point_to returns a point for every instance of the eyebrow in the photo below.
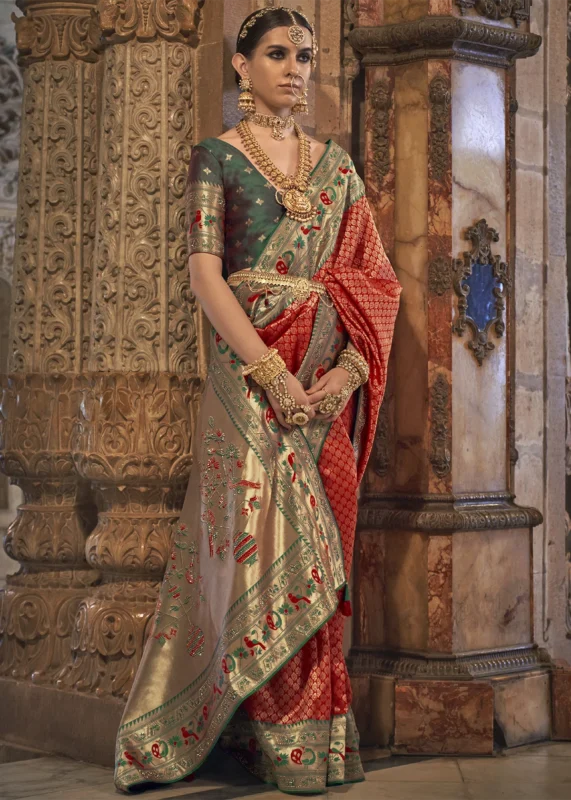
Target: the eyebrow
pixel 286 47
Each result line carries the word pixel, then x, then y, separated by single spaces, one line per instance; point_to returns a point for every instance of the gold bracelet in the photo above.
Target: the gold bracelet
pixel 355 364
pixel 265 369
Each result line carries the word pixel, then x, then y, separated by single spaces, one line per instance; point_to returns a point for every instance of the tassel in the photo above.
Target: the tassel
pixel 345 601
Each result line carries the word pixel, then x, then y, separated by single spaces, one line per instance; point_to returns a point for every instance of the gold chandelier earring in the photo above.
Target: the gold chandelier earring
pixel 246 102
pixel 300 106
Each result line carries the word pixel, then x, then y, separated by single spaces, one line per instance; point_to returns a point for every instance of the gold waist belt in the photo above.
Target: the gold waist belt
pixel 300 287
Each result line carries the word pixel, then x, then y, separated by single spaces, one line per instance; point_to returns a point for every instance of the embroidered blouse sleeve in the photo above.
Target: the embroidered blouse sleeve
pixel 205 204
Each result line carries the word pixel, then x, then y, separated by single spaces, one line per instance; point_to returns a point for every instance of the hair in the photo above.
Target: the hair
pixel 267 22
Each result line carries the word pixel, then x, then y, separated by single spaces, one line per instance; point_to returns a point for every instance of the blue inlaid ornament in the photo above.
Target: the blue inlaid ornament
pixel 481 282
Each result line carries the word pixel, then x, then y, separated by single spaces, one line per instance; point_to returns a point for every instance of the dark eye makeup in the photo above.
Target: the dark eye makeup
pixel 304 56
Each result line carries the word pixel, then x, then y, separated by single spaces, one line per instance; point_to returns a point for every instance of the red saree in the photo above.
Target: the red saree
pixel 246 643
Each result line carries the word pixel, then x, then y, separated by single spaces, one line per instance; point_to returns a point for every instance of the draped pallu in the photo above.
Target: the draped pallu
pixel 246 644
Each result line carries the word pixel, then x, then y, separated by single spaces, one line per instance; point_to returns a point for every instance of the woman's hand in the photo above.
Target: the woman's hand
pixel 298 393
pixel 331 383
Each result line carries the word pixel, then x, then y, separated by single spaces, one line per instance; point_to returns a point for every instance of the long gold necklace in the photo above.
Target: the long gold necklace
pixel 292 189
pixel 277 124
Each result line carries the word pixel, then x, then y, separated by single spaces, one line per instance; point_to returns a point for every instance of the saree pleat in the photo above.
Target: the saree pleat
pixel 246 646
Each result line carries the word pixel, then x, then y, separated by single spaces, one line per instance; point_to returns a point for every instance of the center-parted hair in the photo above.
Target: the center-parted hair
pixel 267 22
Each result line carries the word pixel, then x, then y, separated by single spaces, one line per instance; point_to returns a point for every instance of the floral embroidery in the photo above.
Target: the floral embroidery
pixel 219 485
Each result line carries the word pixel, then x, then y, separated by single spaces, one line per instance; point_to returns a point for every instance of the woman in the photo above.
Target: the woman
pixel 246 643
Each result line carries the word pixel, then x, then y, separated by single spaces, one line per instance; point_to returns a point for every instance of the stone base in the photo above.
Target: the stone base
pixel 11 752
pixel 561 701
pixel 462 717
pixel 55 722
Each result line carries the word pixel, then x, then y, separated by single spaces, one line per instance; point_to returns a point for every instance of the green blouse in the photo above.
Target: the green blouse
pixel 231 207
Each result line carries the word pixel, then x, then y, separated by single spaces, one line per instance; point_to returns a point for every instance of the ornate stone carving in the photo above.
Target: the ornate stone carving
pixel 351 63
pixel 56 217
pixel 146 19
pixel 443 37
pixel 518 10
pixel 439 96
pixel 381 101
pixel 447 518
pixel 40 34
pixel 381 454
pixel 414 665
pixel 11 86
pixel 37 415
pixel 49 326
pixel 478 278
pixel 133 444
pixel 439 275
pixel 143 310
pixel 440 436
pixel 138 413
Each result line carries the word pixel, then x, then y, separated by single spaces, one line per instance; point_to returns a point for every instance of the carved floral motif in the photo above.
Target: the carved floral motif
pixel 439 147
pixel 146 19
pixel 37 414
pixel 143 311
pixel 39 35
pixel 55 232
pixel 381 102
pixel 443 37
pixel 518 10
pixel 440 436
pixel 132 442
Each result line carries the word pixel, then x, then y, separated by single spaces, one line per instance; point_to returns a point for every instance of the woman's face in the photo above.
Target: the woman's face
pixel 271 66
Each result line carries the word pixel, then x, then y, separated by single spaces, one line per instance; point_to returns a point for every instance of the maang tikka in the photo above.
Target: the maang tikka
pixel 295 32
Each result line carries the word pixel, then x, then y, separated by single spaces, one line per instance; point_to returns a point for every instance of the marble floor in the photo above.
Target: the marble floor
pixel 539 772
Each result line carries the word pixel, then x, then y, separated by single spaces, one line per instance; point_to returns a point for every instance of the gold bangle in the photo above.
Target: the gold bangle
pixel 355 364
pixel 265 370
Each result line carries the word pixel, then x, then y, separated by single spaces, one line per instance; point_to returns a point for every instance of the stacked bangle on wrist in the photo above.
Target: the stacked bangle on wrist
pixel 270 372
pixel 266 368
pixel 356 365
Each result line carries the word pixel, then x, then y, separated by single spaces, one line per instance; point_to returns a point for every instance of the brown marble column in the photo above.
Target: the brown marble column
pixel 49 329
pixel 443 657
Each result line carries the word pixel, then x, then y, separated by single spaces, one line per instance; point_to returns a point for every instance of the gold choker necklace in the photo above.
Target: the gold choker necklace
pixel 291 190
pixel 277 124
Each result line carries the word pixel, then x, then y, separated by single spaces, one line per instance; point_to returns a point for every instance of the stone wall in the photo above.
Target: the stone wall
pixel 541 313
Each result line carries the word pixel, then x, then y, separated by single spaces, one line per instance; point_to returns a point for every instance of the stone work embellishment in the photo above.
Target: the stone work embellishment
pixel 518 10
pixel 381 101
pixel 440 96
pixel 482 283
pixel 439 275
pixel 440 456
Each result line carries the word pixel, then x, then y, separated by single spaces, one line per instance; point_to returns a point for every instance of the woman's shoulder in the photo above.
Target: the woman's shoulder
pixel 213 144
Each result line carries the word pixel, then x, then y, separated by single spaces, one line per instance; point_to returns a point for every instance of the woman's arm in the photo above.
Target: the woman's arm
pixel 222 308
pixel 232 323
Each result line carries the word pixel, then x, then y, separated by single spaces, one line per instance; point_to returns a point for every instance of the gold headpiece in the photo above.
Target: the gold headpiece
pixel 295 31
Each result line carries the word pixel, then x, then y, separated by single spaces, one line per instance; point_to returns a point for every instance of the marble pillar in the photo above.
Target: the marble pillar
pixel 444 632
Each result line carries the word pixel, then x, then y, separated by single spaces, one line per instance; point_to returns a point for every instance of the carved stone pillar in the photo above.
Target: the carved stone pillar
pixel 443 656
pixel 49 331
pixel 145 354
